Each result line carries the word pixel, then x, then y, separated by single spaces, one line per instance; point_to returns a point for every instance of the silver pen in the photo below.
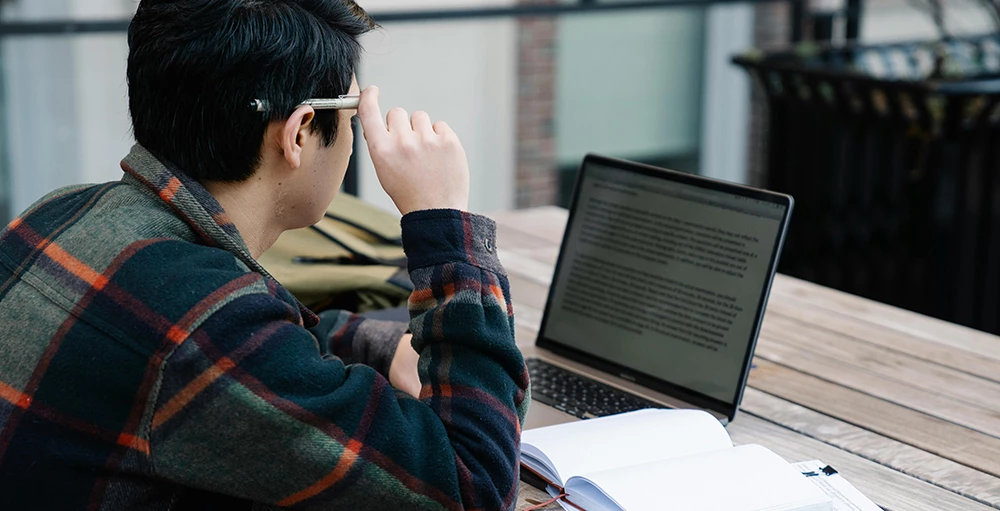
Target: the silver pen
pixel 346 102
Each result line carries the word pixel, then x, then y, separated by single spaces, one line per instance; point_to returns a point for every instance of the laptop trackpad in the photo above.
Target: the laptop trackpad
pixel 540 415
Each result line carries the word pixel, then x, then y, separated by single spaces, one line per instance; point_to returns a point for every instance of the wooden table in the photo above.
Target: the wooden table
pixel 906 407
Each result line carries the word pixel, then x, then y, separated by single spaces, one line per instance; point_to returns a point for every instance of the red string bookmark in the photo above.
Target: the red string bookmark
pixel 546 503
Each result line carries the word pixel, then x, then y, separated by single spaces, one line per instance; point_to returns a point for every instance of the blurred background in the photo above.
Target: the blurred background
pixel 530 86
pixel 528 95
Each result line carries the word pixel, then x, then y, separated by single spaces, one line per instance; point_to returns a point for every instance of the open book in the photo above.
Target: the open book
pixel 680 460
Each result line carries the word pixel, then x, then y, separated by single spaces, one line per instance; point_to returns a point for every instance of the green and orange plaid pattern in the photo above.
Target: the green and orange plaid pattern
pixel 148 362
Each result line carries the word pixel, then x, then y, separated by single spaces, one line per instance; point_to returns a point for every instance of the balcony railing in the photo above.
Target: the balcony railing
pixel 801 17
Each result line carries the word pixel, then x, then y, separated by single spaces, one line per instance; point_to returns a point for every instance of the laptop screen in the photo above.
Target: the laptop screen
pixel 665 277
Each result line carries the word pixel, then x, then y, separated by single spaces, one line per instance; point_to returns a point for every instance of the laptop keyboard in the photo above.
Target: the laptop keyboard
pixel 578 395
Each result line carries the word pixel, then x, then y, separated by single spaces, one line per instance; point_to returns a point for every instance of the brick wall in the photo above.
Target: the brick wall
pixel 537 174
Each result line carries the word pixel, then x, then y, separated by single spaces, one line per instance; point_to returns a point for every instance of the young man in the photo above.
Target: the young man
pixel 148 362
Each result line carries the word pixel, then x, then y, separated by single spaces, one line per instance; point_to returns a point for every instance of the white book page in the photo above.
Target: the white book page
pixel 632 438
pixel 845 496
pixel 744 478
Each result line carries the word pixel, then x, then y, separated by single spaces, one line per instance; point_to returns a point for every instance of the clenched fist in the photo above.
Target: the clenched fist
pixel 419 164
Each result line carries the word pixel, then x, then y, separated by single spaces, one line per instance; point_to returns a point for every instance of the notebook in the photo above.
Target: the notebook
pixel 663 459
pixel 658 294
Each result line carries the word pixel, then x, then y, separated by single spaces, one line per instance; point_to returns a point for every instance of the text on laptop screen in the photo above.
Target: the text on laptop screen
pixel 663 277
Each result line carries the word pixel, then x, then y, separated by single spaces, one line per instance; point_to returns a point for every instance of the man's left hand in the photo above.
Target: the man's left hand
pixel 403 370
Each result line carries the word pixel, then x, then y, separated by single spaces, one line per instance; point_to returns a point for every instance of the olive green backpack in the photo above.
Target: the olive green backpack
pixel 352 259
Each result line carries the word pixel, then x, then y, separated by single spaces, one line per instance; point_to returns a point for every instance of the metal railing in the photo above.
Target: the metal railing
pixel 801 17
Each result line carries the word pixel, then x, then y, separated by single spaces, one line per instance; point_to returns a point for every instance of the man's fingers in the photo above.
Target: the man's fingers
pixel 371 115
pixel 421 123
pixel 398 120
pixel 442 128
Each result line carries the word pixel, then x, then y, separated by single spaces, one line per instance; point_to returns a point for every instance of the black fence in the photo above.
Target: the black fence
pixel 892 153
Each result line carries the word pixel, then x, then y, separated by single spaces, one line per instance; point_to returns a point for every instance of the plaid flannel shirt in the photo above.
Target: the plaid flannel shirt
pixel 148 362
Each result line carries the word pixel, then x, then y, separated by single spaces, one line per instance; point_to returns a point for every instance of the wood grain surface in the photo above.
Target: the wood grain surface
pixel 905 406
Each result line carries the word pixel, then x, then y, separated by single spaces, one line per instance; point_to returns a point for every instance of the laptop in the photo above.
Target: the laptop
pixel 657 296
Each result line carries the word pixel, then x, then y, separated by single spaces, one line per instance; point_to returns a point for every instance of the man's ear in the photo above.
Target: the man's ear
pixel 293 134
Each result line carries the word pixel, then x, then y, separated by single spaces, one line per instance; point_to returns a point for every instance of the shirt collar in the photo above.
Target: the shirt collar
pixel 193 204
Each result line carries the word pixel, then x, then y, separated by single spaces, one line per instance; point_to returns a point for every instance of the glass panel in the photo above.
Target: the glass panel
pixel 629 85
pixel 66 112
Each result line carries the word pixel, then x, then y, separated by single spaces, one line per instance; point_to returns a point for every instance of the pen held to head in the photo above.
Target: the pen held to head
pixel 348 102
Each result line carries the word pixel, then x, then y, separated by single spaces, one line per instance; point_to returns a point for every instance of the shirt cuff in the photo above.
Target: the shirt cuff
pixel 356 339
pixel 377 342
pixel 442 236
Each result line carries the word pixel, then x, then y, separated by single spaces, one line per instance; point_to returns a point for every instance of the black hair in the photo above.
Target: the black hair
pixel 194 66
